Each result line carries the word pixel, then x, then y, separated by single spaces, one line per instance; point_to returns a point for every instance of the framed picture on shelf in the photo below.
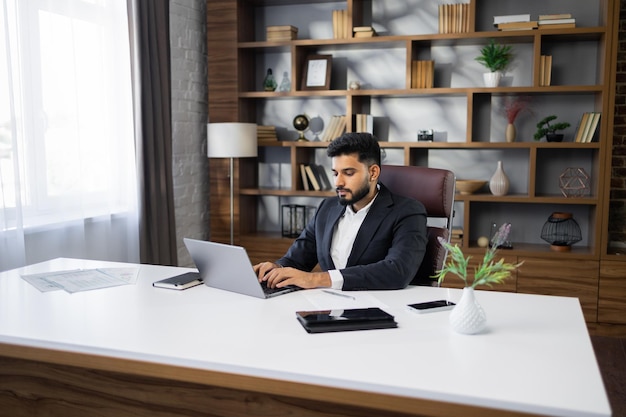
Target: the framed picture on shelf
pixel 316 74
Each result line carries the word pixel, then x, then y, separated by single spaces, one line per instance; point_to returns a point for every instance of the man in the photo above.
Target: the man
pixel 366 238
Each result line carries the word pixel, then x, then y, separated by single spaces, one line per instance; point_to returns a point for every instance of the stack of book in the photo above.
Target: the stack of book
pixel 454 18
pixel 266 133
pixel 335 128
pixel 422 74
pixel 314 177
pixel 545 70
pixel 514 22
pixel 556 21
pixel 587 127
pixel 363 31
pixel 341 29
pixel 281 33
pixel 364 123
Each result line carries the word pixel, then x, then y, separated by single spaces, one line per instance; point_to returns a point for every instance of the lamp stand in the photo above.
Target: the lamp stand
pixel 232 202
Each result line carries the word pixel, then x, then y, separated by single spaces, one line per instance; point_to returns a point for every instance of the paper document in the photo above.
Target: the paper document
pixel 82 279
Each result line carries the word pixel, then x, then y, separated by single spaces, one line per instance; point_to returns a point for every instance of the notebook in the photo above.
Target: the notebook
pixel 229 268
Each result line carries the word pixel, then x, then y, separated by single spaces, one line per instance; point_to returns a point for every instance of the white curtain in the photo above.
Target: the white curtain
pixel 68 182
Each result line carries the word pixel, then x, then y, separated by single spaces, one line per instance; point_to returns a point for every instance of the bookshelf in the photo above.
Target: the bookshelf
pixel 464 115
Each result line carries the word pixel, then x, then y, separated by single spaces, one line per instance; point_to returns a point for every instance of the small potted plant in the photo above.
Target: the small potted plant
pixel 468 316
pixel 496 58
pixel 544 128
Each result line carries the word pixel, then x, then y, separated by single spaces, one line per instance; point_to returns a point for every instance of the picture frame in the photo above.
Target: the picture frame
pixel 316 72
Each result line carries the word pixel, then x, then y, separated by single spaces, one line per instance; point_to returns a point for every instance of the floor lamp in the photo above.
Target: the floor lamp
pixel 231 140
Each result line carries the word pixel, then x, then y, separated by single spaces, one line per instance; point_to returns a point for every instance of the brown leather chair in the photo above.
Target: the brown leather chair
pixel 434 188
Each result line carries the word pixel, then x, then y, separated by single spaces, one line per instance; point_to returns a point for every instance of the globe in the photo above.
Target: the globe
pixel 301 123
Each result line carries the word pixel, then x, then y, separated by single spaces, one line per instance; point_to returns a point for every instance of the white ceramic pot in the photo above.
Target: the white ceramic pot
pixel 468 317
pixel 492 79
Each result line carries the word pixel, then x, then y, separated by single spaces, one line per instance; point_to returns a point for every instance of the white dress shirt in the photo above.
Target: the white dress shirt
pixel 343 238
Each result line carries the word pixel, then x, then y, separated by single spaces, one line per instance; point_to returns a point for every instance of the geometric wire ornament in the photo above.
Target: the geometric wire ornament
pixel 574 182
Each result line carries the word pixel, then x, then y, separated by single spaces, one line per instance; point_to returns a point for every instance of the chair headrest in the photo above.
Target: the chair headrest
pixel 433 187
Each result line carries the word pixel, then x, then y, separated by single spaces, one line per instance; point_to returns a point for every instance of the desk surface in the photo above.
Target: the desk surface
pixel 536 355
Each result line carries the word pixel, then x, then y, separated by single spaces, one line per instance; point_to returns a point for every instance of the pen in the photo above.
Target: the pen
pixel 339 294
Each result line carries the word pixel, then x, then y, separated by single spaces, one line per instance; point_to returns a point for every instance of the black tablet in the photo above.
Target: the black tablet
pixel 322 321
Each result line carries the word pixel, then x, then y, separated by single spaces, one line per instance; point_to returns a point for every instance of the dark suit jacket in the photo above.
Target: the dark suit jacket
pixel 387 251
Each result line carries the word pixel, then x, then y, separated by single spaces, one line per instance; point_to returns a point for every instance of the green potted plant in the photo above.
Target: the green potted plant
pixel 496 58
pixel 544 128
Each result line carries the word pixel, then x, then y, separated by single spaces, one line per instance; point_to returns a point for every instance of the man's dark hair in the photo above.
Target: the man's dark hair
pixel 363 144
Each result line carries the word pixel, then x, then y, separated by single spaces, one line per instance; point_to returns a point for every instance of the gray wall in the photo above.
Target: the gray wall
pixel 189 118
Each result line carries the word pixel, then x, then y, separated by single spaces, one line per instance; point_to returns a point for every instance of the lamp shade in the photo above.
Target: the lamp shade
pixel 231 140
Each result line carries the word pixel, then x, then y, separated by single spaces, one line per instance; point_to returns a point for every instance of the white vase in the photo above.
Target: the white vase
pixel 499 182
pixel 492 79
pixel 468 317
pixel 510 132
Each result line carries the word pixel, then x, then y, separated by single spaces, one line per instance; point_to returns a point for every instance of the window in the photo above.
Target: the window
pixel 67 150
pixel 66 130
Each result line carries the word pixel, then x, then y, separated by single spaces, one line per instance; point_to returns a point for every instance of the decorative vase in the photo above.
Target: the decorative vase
pixel 492 79
pixel 510 132
pixel 499 182
pixel 269 82
pixel 468 317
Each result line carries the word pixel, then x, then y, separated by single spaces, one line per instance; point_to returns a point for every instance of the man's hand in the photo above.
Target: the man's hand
pixel 278 277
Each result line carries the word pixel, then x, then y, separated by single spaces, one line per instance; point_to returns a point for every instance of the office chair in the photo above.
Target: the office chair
pixel 434 188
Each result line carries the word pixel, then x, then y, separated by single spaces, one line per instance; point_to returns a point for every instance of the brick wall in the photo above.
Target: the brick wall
pixel 189 118
pixel 617 210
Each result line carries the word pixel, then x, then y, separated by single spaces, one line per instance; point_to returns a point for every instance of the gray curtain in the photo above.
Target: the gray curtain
pixel 157 223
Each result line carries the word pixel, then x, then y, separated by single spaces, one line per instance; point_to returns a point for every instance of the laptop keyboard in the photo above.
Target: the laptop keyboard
pixel 267 290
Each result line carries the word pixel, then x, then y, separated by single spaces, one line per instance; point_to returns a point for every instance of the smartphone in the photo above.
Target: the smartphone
pixel 431 306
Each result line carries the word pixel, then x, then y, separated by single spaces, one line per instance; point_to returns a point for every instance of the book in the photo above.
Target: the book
pixel 281 33
pixel 282 28
pixel 560 26
pixel 422 74
pixel 337 128
pixel 518 25
pixel 330 128
pixel 545 70
pixel 303 176
pixel 453 18
pixel 555 16
pixel 312 178
pixel 266 133
pixel 593 125
pixel 340 24
pixel 364 34
pixel 555 21
pixel 511 18
pixel 587 128
pixel 322 177
pixel 581 127
pixel 180 282
pixel 364 123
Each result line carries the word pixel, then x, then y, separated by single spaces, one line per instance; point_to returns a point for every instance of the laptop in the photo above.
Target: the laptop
pixel 229 268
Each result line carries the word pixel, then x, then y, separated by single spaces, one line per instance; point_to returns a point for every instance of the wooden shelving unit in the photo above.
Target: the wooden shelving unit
pixel 465 113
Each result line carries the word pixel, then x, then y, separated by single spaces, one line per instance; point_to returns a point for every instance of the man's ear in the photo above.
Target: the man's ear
pixel 374 171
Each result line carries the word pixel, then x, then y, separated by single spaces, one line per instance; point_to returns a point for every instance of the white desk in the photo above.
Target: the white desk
pixel 136 347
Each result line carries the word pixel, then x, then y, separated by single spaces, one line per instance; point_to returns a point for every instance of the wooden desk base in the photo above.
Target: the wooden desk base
pixel 35 388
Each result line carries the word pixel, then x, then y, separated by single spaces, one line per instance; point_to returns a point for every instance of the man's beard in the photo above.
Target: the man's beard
pixel 356 196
